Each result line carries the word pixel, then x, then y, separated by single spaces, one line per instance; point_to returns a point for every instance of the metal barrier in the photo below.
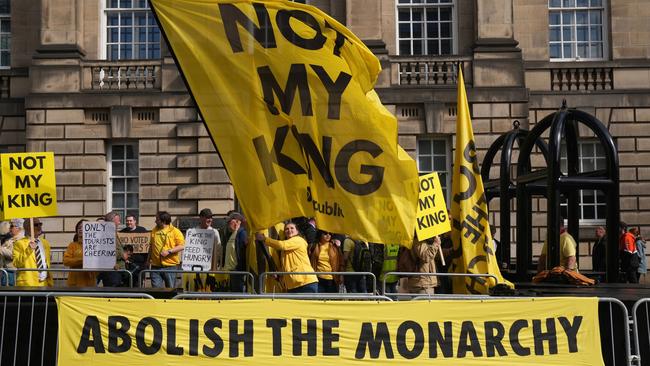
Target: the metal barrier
pixel 641 321
pixel 177 271
pixel 68 270
pixel 409 274
pixel 265 274
pixel 230 296
pixel 36 343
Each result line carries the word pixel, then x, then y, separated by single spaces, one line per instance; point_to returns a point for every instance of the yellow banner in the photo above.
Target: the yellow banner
pixel 543 331
pixel 473 250
pixel 432 217
pixel 286 93
pixel 28 185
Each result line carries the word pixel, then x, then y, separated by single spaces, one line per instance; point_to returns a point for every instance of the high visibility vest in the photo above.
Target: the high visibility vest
pixel 390 262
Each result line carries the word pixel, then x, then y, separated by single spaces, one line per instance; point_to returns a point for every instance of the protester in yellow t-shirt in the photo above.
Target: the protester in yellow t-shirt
pixel 165 245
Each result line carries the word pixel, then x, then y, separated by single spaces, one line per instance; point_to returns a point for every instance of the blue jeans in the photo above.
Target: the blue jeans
pixel 311 288
pixel 327 286
pixel 163 279
pixel 12 278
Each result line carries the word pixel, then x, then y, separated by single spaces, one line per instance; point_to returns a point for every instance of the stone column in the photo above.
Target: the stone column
pixel 497 59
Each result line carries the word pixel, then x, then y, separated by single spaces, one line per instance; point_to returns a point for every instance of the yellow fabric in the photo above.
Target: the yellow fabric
pixel 300 130
pixel 165 239
pixel 293 258
pixel 24 257
pixel 348 330
pixel 470 233
pixel 324 264
pixel 567 249
pixel 73 258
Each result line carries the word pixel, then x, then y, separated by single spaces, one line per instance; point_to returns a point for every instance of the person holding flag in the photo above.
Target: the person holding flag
pixel 472 249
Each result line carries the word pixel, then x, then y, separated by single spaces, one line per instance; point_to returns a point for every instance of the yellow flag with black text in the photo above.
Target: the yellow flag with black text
pixel 473 250
pixel 286 93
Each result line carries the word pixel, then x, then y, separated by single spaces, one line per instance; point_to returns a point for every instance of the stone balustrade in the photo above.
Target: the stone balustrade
pixel 122 75
pixel 429 70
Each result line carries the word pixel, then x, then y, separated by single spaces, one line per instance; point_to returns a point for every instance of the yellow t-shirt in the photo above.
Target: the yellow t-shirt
pixel 165 239
pixel 567 249
pixel 324 264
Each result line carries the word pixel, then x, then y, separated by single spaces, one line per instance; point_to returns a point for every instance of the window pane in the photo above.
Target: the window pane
pixel 445 14
pixel 130 152
pixel 567 34
pixel 582 3
pixel 595 34
pixel 595 17
pixel 417 47
pixel 439 163
pixel 582 50
pixel 426 164
pixel 445 47
pixel 445 30
pixel 404 15
pixel 554 35
pixel 581 17
pixel 555 51
pixel 424 147
pixel 555 3
pixel 432 30
pixel 118 200
pixel 417 15
pixel 132 168
pixel 132 185
pixel 596 2
pixel 432 15
pixel 5 26
pixel 417 30
pixel 554 18
pixel 117 168
pixel 404 30
pixel 132 200
pixel 404 47
pixel 569 3
pixel 119 185
pixel 440 147
pixel 568 51
pixel 567 18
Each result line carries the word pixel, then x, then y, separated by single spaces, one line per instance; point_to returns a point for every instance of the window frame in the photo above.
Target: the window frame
pixel 453 4
pixel 448 161
pixel 104 40
pixel 574 42
pixel 109 184
pixel 6 17
pixel 581 158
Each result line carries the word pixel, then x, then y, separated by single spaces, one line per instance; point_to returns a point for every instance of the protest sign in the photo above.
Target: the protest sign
pixel 432 218
pixel 139 241
pixel 198 249
pixel 508 332
pixel 99 245
pixel 28 185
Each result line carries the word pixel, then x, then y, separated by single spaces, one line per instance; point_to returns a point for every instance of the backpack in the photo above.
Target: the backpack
pixel 377 256
pixel 405 261
pixel 362 259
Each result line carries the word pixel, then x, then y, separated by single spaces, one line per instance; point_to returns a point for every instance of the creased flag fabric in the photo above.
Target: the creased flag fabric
pixel 286 93
pixel 473 250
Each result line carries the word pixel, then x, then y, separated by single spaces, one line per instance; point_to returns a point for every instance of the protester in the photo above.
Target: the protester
pixel 74 258
pixel 356 258
pixel 567 251
pixel 32 254
pixel 447 248
pixel 424 253
pixel 389 264
pixel 310 233
pixel 113 279
pixel 205 223
pixel 293 258
pixel 5 227
pixel 640 250
pixel 235 251
pixel 325 257
pixel 599 250
pixel 7 251
pixel 136 260
pixel 165 245
pixel 628 254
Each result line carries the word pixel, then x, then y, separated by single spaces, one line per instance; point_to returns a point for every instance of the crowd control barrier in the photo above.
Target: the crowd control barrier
pixel 128 274
pixel 409 274
pixel 144 272
pixel 4 274
pixel 615 332
pixel 232 296
pixel 641 322
pixel 369 274
pixel 29 325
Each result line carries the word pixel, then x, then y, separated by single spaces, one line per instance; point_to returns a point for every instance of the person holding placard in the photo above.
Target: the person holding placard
pixel 7 251
pixel 32 252
pixel 137 259
pixel 114 279
pixel 74 258
pixel 166 242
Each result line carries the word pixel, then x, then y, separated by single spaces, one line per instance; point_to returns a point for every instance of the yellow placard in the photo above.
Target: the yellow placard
pixel 432 218
pixel 28 185
pixel 286 93
pixel 541 331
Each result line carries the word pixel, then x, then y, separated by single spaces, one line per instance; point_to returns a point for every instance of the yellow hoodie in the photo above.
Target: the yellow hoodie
pixel 293 258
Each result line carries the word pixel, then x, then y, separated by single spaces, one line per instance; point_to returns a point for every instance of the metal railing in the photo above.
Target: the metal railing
pixel 5 276
pixel 417 274
pixel 68 270
pixel 144 272
pixel 641 321
pixel 618 329
pixel 230 296
pixel 370 274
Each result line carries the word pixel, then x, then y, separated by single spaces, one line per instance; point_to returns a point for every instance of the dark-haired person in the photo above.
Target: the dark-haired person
pixel 325 257
pixel 628 254
pixel 234 253
pixel 294 258
pixel 164 247
pixel 74 258
pixel 137 260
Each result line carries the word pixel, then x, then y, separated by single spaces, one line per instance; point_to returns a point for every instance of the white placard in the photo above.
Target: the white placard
pixel 99 245
pixel 198 249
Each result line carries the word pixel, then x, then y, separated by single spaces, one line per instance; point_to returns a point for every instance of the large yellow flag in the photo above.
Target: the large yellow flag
pixel 286 93
pixel 473 251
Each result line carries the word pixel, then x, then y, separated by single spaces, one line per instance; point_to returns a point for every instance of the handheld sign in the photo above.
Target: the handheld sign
pixel 198 249
pixel 432 216
pixel 139 241
pixel 28 185
pixel 99 245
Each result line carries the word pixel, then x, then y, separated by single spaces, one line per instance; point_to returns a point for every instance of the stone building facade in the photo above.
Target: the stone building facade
pixel 92 81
